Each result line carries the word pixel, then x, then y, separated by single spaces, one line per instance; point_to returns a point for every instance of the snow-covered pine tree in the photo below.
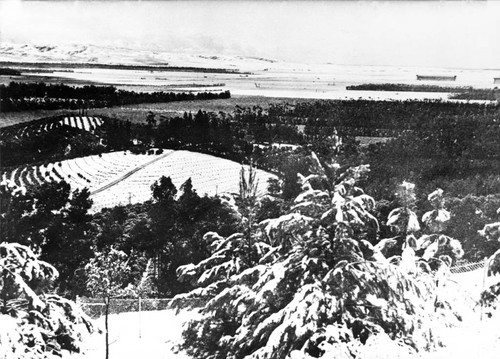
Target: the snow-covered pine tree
pixel 490 297
pixel 434 246
pixel 35 323
pixel 316 285
pixel 430 245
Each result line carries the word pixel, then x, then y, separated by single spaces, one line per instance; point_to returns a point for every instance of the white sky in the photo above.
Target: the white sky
pixel 448 34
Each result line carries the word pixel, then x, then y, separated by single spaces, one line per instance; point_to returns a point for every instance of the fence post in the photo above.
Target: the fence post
pixel 485 273
pixel 106 302
pixel 139 317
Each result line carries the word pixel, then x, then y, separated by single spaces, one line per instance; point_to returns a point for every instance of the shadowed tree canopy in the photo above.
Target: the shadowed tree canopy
pixel 52 221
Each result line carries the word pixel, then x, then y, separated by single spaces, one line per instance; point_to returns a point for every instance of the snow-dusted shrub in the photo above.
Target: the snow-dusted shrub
pixel 429 244
pixel 34 323
pixel 310 284
pixel 106 274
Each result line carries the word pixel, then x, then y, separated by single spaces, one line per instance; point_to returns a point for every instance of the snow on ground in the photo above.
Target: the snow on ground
pixel 148 335
pixel 474 338
pixel 154 334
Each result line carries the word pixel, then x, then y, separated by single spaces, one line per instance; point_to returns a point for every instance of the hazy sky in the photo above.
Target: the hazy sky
pixel 450 34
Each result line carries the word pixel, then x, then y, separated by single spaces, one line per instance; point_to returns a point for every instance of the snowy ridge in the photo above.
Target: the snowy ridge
pixel 124 56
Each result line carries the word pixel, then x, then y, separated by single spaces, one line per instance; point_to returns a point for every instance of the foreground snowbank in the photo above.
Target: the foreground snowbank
pixel 160 330
pixel 475 338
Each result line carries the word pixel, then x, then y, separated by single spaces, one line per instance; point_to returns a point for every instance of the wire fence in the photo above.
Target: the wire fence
pixel 466 266
pixel 95 307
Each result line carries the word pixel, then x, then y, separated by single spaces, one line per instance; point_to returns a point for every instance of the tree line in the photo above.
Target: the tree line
pixel 17 96
pixel 409 88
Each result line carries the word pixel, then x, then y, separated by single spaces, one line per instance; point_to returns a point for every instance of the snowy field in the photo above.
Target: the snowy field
pixel 149 335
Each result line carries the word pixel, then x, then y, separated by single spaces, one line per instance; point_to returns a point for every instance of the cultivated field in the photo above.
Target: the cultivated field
pixel 83 123
pixel 210 175
pixel 119 178
pixel 14 118
pixel 45 125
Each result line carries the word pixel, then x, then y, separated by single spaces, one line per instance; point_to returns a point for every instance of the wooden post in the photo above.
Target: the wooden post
pixel 485 274
pixel 139 317
pixel 106 302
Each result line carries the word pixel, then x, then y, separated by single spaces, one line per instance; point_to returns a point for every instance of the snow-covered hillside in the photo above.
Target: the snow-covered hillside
pixel 124 56
pixel 119 178
pixel 210 175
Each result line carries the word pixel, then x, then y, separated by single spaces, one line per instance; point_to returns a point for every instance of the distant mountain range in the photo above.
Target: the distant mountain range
pixel 91 54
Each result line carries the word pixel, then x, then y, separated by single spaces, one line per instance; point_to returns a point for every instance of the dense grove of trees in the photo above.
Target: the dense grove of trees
pixel 54 222
pixel 36 96
pixel 234 136
pixel 457 93
pixel 168 231
pixel 9 72
pixel 446 144
pixel 66 67
pixel 478 94
pixel 400 116
pixel 408 88
pixel 434 143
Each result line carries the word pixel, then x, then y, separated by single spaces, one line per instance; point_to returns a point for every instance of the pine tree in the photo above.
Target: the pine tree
pixel 432 247
pixel 490 297
pixel 315 285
